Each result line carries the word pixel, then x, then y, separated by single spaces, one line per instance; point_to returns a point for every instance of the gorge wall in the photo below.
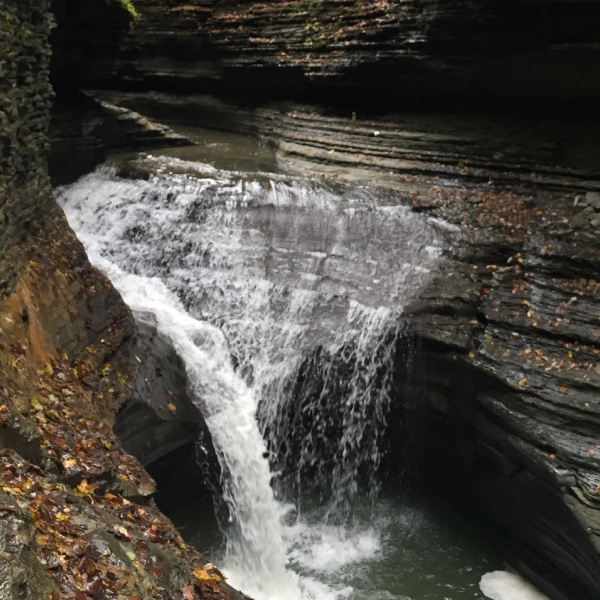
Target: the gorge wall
pixel 77 516
pixel 26 98
pixel 383 52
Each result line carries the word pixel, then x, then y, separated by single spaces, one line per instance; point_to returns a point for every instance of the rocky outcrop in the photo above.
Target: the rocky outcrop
pixel 73 497
pixel 159 424
pixel 85 41
pixel 77 517
pixel 380 51
pixel 84 131
pixel 510 337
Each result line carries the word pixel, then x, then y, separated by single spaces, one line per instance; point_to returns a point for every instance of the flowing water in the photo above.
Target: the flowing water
pixel 284 297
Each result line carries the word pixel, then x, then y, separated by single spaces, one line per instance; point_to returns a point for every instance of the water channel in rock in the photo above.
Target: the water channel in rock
pixel 284 296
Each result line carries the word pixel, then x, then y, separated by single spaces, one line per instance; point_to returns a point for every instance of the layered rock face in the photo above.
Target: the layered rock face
pixel 26 98
pixel 77 518
pixel 85 42
pixel 382 51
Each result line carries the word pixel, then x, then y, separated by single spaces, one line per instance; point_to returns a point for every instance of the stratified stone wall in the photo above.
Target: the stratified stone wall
pixel 25 101
pixel 56 313
pixel 378 53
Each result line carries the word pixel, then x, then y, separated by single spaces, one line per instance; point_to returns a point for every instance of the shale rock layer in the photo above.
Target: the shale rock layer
pixel 382 51
pixel 77 519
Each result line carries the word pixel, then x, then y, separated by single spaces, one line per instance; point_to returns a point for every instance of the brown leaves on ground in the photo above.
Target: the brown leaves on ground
pixel 95 543
pixel 75 436
pixel 79 502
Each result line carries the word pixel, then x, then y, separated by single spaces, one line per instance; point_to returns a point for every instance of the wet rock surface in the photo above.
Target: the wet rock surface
pixel 380 51
pixel 510 336
pixel 25 100
pixel 83 131
pixel 161 427
pixel 76 507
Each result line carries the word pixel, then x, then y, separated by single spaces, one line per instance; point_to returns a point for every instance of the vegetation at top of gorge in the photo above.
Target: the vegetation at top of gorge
pixel 129 7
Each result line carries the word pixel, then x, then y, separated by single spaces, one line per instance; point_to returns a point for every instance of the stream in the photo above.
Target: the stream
pixel 284 296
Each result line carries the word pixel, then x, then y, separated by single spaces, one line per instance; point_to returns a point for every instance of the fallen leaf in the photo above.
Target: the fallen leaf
pixel 87 488
pixel 213 570
pixel 122 533
pixel 203 575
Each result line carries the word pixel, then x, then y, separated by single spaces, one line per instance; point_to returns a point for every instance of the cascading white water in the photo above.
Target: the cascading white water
pixel 264 269
pixel 229 407
pixel 251 277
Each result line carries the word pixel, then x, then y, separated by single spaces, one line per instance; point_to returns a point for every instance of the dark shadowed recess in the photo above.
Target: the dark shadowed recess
pixel 160 425
pixel 442 440
pixel 86 36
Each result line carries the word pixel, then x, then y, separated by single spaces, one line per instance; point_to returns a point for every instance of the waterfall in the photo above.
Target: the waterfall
pixel 284 298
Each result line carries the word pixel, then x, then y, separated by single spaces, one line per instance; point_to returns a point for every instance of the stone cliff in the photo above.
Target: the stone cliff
pixel 77 516
pixel 383 52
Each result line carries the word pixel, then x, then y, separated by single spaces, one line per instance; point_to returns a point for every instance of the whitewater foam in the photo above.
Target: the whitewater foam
pixel 504 585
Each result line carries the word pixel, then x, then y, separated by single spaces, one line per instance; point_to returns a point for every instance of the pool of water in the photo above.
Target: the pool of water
pixel 409 549
pixel 222 150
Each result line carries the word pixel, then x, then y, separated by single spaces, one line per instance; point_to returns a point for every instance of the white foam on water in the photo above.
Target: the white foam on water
pixel 327 548
pixel 504 585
